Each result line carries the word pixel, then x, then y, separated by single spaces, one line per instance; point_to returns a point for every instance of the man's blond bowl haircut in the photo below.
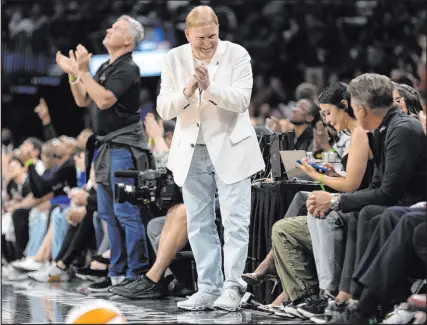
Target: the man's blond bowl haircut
pixel 201 16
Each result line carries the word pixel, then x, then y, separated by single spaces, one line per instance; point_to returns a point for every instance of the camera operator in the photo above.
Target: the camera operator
pixel 120 140
pixel 167 234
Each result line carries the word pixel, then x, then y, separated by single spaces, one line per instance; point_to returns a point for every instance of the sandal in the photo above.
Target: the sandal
pixel 254 279
pixel 269 308
pixel 101 259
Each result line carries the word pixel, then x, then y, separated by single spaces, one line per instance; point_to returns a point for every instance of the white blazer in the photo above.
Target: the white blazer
pixel 221 113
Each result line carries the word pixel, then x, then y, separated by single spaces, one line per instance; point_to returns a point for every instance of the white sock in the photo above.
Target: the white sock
pixel 117 279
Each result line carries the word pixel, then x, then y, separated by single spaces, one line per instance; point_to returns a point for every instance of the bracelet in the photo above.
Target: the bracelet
pixel 320 181
pixel 74 81
pixel 29 162
pixel 71 77
pixel 150 141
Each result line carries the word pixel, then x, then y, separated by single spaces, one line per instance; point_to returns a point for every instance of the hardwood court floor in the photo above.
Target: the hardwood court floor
pixel 31 302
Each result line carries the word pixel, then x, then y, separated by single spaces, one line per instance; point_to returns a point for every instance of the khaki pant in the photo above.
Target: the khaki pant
pixel 293 256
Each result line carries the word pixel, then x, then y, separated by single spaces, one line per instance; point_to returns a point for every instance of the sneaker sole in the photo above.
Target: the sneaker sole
pixel 284 314
pixel 19 278
pixel 38 280
pixel 232 309
pixel 293 312
pixel 144 296
pixel 305 313
pixel 266 309
pixel 317 320
pixel 81 277
pixel 98 290
pixel 199 308
pixel 26 270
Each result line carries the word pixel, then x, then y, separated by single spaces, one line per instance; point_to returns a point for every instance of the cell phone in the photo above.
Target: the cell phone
pixel 317 167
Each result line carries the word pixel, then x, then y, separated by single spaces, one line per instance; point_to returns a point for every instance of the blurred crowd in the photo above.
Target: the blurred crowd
pixel 290 42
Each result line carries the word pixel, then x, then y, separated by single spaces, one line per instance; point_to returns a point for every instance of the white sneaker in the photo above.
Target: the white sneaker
pixel 18 261
pixel 59 275
pixel 229 300
pixel 43 274
pixel 28 264
pixel 198 301
pixel 15 275
pixel 400 315
pixel 5 270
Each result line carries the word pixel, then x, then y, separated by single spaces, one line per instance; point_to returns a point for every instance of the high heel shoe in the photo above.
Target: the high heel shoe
pixel 253 279
pixel 269 308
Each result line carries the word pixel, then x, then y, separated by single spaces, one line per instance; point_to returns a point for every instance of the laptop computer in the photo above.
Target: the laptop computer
pixel 289 159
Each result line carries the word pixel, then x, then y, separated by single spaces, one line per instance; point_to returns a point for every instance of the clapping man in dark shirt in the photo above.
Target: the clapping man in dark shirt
pixel 113 94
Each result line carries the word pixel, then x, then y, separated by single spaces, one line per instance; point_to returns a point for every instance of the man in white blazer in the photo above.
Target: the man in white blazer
pixel 207 86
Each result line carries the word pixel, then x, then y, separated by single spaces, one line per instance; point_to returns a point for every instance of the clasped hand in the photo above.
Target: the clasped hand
pixel 76 63
pixel 201 74
pixel 319 203
pixel 200 80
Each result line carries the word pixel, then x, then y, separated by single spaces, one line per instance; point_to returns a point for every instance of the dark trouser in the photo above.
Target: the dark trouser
pixel 366 223
pixel 77 239
pixel 419 240
pixel 7 249
pixel 20 219
pixel 386 265
pixel 297 206
pixel 376 247
pixel 350 220
pixel 126 231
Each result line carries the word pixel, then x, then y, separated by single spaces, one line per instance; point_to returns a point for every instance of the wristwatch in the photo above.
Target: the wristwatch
pixel 335 202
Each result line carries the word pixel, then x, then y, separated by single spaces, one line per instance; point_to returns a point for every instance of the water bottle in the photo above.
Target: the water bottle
pixel 310 158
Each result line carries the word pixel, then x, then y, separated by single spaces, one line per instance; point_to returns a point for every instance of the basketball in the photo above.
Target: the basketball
pixel 95 312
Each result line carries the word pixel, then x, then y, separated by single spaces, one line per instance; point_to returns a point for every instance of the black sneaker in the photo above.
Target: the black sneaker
pixel 101 286
pixel 314 306
pixel 333 309
pixel 121 284
pixel 292 309
pixel 282 313
pixel 142 288
pixel 86 273
pixel 180 289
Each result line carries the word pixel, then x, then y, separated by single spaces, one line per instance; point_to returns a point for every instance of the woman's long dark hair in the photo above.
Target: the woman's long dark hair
pixel 412 98
pixel 335 94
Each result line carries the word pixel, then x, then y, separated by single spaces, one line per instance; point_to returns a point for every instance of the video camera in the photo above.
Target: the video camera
pixel 152 186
